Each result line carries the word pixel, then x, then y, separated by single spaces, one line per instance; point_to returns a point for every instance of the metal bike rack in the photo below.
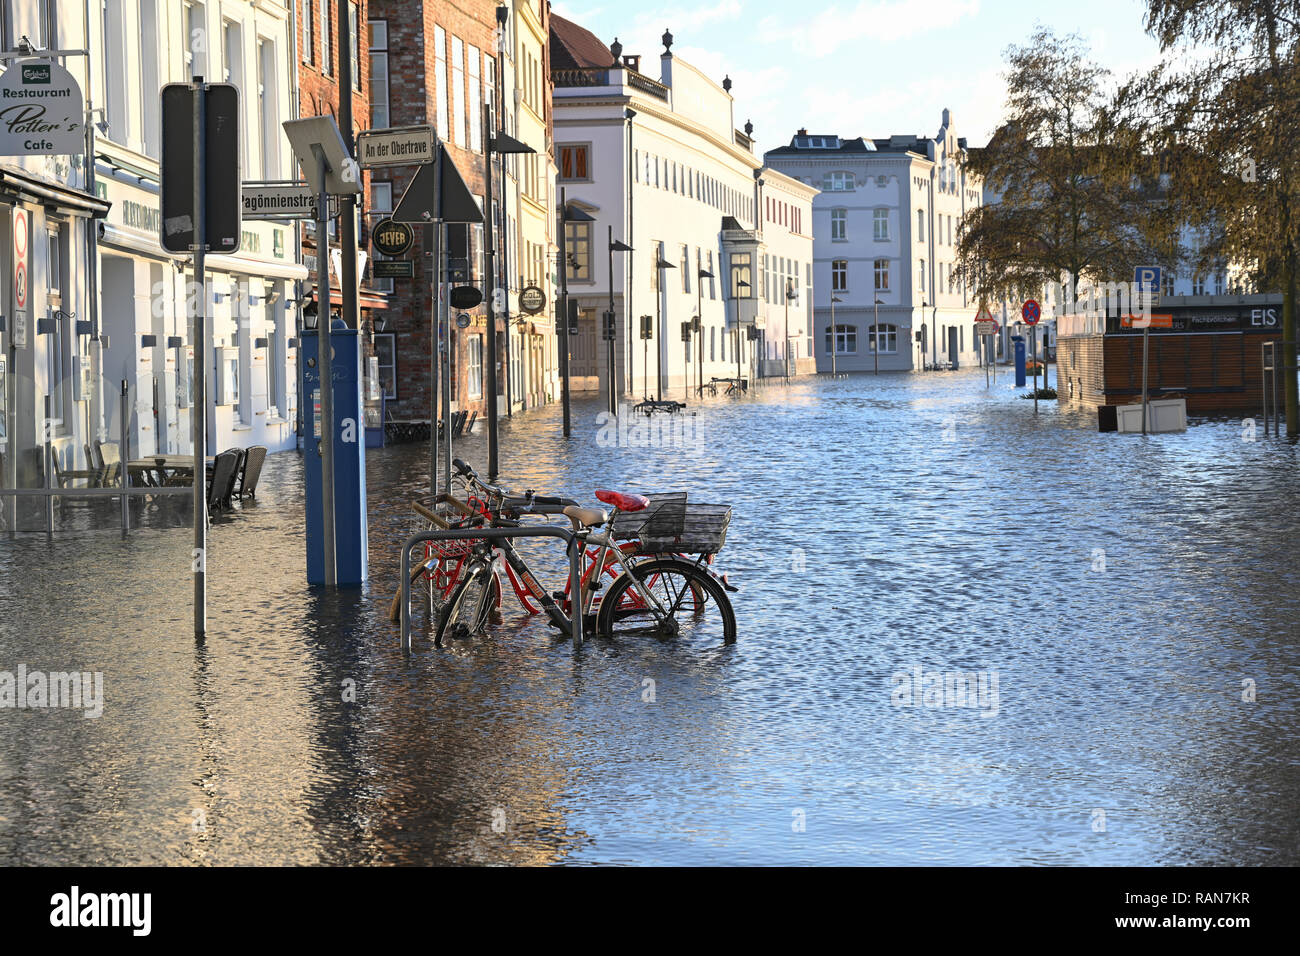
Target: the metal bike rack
pixel 572 544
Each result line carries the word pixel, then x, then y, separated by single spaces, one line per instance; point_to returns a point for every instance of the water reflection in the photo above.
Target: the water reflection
pixel 1122 588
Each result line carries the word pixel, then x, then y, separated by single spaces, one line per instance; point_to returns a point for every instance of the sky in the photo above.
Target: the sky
pixel 872 68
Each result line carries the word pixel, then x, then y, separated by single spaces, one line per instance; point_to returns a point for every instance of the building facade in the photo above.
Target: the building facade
pixel 145 294
pixel 51 356
pixel 885 228
pixel 658 164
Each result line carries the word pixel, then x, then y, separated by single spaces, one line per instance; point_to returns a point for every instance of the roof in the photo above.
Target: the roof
pixel 575 47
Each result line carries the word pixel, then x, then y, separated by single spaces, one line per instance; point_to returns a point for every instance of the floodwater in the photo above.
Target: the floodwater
pixel 1126 610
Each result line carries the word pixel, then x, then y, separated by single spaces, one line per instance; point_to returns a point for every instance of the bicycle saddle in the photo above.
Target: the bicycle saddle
pixel 586 517
pixel 623 502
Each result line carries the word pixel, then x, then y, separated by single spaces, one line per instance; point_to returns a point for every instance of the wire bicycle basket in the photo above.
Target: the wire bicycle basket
pixel 671 525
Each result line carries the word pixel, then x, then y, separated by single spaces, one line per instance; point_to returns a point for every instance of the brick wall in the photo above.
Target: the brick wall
pixel 413 92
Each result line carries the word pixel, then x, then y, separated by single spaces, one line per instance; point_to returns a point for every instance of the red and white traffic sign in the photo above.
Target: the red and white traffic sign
pixel 1031 312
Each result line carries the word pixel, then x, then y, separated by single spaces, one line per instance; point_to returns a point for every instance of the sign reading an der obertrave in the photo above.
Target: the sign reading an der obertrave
pixel 41 111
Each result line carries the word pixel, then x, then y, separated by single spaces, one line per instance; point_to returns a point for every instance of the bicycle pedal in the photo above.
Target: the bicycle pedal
pixel 559 595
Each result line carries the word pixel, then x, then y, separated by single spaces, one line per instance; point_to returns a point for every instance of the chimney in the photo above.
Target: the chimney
pixel 802 132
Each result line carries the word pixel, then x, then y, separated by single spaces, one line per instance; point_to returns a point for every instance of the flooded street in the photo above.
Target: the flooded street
pixel 1127 608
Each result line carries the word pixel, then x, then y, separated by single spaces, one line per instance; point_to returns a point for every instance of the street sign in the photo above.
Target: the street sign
pixel 1031 311
pixel 1163 320
pixel 462 320
pixel 609 326
pixel 397 146
pixel 21 241
pixel 392 238
pixel 392 269
pixel 222 217
pixel 532 299
pixel 279 201
pixel 988 327
pixel 465 296
pixel 1146 282
pixel 44 112
pixel 417 203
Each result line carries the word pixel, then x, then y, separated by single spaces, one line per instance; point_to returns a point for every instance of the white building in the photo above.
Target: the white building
pixel 885 229
pixel 660 165
pixel 47 213
pixel 137 46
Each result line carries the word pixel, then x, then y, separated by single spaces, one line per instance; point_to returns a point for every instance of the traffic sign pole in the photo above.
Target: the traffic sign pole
pixel 199 404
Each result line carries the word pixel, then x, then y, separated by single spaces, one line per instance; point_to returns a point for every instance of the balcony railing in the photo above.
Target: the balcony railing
pixel 580 77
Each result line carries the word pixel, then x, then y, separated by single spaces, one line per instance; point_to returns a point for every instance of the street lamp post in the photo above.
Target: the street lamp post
pixel 835 335
pixel 629 114
pixel 875 334
pixel 740 284
pixel 660 264
pixel 789 294
pixel 615 245
pixel 700 276
pixel 567 216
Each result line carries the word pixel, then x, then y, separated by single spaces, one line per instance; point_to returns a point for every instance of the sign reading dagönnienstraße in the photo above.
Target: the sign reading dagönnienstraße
pixel 41 111
pixel 279 201
pixel 398 146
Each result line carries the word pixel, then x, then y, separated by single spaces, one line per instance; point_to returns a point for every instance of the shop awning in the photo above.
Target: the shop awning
pixel 30 186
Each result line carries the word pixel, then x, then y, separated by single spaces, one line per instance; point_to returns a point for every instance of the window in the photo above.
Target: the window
pixel 354 44
pixel 880 224
pixel 440 77
pixel 114 27
pixel 326 41
pixel 460 126
pixel 742 270
pixel 307 40
pixel 920 225
pixel 386 352
pixel 475 59
pixel 920 276
pixel 474 366
pixel 1218 283
pixel 575 163
pixel 577 238
pixel 685 268
pixel 379 118
pixel 885 339
pixel 196 47
pixel 837 182
pixel 882 275
pixel 1168 284
pixel 839 275
pixel 150 106
pixel 882 182
pixel 381 201
pixel 266 108
pixel 839 219
pixel 845 339
pixel 708 267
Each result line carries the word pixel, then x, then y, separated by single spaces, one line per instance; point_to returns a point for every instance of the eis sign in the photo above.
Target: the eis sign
pixel 41 111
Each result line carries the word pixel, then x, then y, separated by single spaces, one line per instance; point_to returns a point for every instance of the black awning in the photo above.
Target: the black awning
pixel 28 185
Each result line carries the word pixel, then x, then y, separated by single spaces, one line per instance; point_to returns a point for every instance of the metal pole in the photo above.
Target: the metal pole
pixel 609 347
pixel 564 312
pixel 645 365
pixel 1146 338
pixel 325 349
pixel 443 321
pixel 834 338
pixel 489 279
pixel 659 331
pixel 347 202
pixel 699 317
pixel 49 473
pixel 199 405
pixel 631 241
pixel 1033 349
pixel 988 341
pixel 875 334
pixel 435 352
pixel 124 412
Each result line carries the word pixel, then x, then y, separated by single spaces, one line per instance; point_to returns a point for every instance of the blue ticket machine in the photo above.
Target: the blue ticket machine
pixel 1020 360
pixel 350 545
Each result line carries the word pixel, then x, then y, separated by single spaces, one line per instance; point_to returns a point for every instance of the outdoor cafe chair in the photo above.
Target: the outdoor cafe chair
pixel 251 471
pixel 224 470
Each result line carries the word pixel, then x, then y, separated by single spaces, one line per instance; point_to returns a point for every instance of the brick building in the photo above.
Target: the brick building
pixel 434 63
pixel 318 46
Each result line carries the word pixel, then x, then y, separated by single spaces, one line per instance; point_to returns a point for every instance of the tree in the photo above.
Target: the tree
pixel 1064 183
pixel 1225 107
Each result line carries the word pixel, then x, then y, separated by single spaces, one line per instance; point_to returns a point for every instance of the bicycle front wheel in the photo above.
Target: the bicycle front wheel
pixel 465 614
pixel 692 606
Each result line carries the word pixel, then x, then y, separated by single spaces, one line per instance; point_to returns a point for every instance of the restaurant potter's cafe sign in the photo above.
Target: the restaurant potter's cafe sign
pixel 41 111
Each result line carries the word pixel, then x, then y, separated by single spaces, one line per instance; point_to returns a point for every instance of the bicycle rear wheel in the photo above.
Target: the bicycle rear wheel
pixel 467 612
pixel 695 606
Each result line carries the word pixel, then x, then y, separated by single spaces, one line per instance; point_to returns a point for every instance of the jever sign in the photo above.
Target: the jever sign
pixel 41 111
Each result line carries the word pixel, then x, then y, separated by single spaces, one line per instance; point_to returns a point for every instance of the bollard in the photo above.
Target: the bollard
pixel 125 455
